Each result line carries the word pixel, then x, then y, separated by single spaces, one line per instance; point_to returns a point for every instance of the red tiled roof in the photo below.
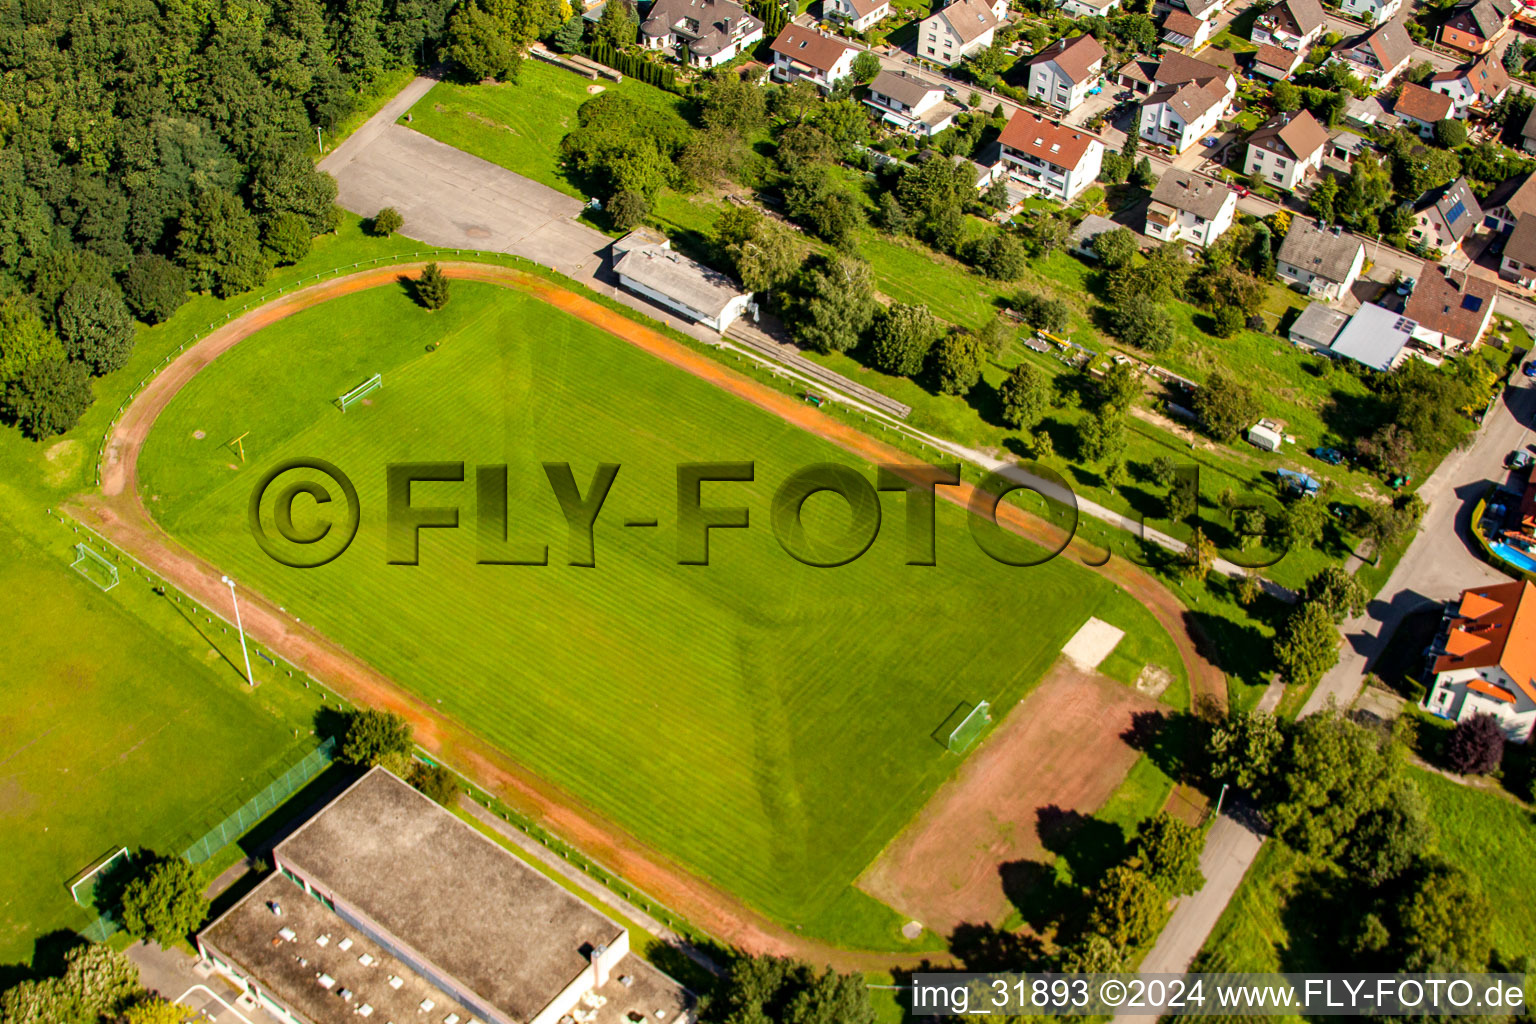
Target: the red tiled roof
pixel 1419 103
pixel 1505 623
pixel 1051 141
pixel 810 47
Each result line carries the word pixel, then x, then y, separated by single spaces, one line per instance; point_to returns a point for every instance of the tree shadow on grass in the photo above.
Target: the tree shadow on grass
pixel 1089 846
pixel 1037 892
pixel 985 947
pixel 47 961
pixel 1172 740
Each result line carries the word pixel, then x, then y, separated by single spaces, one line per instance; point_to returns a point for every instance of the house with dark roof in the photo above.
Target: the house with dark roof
pixel 701 32
pixel 1474 26
pixel 1061 74
pixel 1483 660
pixel 1292 24
pixel 1528 133
pixel 1080 241
pixel 1452 308
pixel 1377 57
pixel 1445 217
pixel 1276 63
pixel 1518 261
pixel 1317 327
pixel 910 103
pixel 953 33
pixel 1204 10
pixel 1058 160
pixel 859 15
pixel 1324 262
pixel 1179 114
pixel 1473 88
pixel 1286 148
pixel 1087 8
pixel 1419 109
pixel 1372 12
pixel 803 53
pixel 1190 207
pixel 1509 199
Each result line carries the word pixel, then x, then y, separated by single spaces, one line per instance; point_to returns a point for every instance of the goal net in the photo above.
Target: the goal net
pixel 360 392
pixel 95 567
pixel 970 728
pixel 82 888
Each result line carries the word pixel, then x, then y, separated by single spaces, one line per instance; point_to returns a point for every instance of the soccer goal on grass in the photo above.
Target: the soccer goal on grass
pixel 970 727
pixel 84 883
pixel 360 392
pixel 95 567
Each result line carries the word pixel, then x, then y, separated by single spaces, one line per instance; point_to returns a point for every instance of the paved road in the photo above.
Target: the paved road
pixel 1442 560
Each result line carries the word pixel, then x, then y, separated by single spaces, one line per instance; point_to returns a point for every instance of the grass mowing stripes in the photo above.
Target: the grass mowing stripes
pixel 766 722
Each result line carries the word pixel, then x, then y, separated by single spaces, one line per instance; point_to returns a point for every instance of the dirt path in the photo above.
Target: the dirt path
pixel 119 514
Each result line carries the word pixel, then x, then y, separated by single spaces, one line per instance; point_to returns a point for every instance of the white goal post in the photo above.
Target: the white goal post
pixel 357 394
pixel 970 727
pixel 95 869
pixel 95 567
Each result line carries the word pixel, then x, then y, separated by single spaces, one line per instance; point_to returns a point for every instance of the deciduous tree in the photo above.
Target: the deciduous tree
pixel 1025 395
pixel 165 902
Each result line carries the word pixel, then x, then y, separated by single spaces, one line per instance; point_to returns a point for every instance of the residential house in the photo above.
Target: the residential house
pixel 1473 88
pixel 1483 661
pixel 950 34
pixel 910 103
pixel 702 32
pixel 1317 327
pixel 1508 200
pixel 1062 73
pixel 1519 259
pixel 986 168
pixel 1205 10
pixel 801 53
pixel 1452 308
pixel 1292 24
pixel 1372 12
pixel 1474 26
pixel 1178 116
pixel 1059 160
pixel 1375 337
pixel 646 264
pixel 1443 218
pixel 1321 261
pixel 1368 113
pixel 1080 241
pixel 1190 207
pixel 1286 148
pixel 1087 8
pixel 1379 56
pixel 1528 133
pixel 1419 108
pixel 859 15
pixel 1180 28
pixel 1276 62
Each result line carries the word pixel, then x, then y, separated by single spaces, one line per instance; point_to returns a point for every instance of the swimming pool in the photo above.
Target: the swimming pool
pixel 1513 555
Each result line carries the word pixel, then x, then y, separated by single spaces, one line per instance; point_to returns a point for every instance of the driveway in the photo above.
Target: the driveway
pixel 1442 560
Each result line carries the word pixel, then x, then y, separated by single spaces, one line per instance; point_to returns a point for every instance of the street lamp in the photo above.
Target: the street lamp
pixel 241 630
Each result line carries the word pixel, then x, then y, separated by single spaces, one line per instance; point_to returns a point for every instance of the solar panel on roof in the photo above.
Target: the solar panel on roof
pixel 1471 303
pixel 1456 212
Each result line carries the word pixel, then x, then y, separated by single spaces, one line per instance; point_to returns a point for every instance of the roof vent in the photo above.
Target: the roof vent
pixel 276 908
pixel 365 1010
pixel 326 981
pixel 426 1006
pixel 395 981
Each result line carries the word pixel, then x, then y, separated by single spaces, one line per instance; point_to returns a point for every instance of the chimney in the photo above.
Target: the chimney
pixel 727 25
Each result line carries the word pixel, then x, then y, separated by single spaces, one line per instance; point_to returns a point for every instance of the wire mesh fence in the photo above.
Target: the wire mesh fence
pixel 259 806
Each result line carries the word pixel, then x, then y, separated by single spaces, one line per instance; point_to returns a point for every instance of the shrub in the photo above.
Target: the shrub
pixel 1475 746
pixel 386 222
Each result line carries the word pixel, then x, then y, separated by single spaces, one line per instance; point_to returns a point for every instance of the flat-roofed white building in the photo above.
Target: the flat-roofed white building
pixel 647 265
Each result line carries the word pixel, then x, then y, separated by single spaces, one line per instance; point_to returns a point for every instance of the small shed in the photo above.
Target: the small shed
pixel 1266 435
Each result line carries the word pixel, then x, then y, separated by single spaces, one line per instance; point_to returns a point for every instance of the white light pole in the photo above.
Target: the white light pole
pixel 241 630
pixel 1220 798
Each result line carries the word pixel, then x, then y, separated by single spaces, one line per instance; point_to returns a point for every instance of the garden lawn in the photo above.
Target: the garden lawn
pixel 765 722
pixel 520 125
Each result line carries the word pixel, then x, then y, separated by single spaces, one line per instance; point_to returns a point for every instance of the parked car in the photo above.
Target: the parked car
pixel 1406 285
pixel 1519 460
pixel 1529 369
pixel 1332 456
pixel 1242 191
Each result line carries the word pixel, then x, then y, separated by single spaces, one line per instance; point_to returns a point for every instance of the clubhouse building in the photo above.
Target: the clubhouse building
pixel 384 908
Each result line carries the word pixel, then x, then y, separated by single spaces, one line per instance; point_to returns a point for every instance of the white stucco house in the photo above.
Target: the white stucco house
pixel 803 53
pixel 1285 149
pixel 1378 57
pixel 1058 160
pixel 1484 659
pixel 953 33
pixel 1190 207
pixel 706 33
pixel 1372 12
pixel 910 103
pixel 859 15
pixel 1324 262
pixel 1063 73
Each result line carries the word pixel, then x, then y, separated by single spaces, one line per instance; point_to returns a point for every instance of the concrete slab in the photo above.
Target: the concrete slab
pixel 1091 644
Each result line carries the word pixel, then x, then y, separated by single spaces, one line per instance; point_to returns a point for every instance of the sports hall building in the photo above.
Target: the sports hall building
pixel 384 908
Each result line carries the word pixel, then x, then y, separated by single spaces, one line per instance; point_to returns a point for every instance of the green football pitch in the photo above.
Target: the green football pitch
pixel 770 724
pixel 121 726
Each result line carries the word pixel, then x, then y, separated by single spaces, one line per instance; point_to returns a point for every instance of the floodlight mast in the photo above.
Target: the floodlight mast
pixel 241 630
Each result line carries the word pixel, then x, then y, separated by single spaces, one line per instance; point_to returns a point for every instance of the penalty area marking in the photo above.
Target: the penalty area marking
pixel 1091 644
